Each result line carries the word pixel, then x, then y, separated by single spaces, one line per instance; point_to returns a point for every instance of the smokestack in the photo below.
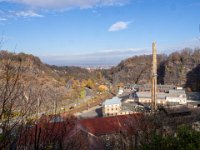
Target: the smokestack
pixel 154 79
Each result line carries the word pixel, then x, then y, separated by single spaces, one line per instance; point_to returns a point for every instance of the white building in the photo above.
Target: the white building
pixel 180 99
pixel 112 107
pixel 120 91
pixel 115 106
pixel 163 98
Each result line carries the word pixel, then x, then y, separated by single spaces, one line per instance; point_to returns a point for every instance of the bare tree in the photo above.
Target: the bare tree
pixel 50 134
pixel 23 99
pixel 15 105
pixel 10 93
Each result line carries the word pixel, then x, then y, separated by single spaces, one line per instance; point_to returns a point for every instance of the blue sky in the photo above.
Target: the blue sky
pixel 91 32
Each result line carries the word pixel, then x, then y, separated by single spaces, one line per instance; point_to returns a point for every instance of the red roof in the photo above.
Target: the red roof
pixel 45 132
pixel 114 124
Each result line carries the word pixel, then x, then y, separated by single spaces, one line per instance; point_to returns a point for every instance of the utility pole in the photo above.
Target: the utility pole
pixel 154 79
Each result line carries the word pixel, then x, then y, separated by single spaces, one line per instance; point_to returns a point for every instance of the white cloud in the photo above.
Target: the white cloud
pixel 3 19
pixel 70 3
pixel 28 13
pixel 42 6
pixel 121 25
pixel 14 14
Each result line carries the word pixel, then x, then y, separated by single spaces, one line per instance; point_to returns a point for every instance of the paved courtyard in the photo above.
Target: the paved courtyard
pixel 90 113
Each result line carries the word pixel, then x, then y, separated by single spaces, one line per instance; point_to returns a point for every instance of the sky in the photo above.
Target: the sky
pixel 97 32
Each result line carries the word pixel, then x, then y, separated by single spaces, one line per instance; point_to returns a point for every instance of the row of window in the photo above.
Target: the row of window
pixel 121 113
pixel 149 101
pixel 112 109
pixel 112 114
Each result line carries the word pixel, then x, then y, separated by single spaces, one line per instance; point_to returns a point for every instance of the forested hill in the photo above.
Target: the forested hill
pixel 183 68
pixel 180 68
pixel 136 70
pixel 48 83
pixel 34 67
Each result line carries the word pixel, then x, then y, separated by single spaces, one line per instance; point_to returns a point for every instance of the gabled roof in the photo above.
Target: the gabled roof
pixel 115 100
pixel 46 131
pixel 109 125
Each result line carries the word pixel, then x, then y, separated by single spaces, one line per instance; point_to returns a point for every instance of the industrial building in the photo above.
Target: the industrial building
pixel 116 106
pixel 147 87
pixel 132 102
pixel 112 107
pixel 151 96
pixel 173 97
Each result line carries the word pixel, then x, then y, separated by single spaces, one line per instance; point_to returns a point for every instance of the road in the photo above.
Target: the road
pixel 85 106
pixel 93 112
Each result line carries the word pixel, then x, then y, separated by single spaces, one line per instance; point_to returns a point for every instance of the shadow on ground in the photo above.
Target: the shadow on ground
pixel 99 112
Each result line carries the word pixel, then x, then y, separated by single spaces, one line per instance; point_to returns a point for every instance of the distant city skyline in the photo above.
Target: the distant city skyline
pixel 100 32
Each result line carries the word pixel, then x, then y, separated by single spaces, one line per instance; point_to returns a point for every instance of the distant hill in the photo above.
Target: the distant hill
pixel 73 72
pixel 37 69
pixel 181 68
pixel 50 83
pixel 136 70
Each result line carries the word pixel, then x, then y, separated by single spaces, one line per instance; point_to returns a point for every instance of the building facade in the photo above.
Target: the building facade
pixel 172 97
pixel 112 107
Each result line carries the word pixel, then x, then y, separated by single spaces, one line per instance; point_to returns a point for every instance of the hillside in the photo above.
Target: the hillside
pixel 136 70
pixel 74 83
pixel 181 68
pixel 45 85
